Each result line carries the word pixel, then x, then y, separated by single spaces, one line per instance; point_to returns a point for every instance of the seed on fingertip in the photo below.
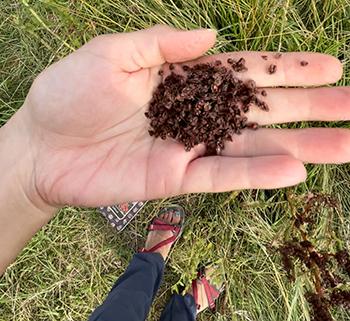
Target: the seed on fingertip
pixel 253 126
pixel 241 61
pixel 263 93
pixel 160 72
pixel 171 67
pixel 304 63
pixel 272 69
pixel 264 57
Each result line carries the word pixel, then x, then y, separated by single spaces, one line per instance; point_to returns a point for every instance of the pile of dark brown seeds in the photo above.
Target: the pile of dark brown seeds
pixel 205 103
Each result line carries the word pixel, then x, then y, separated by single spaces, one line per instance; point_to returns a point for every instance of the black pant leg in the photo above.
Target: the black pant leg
pixel 132 295
pixel 180 308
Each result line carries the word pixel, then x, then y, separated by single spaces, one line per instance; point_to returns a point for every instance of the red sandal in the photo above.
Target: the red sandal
pixel 160 225
pixel 211 292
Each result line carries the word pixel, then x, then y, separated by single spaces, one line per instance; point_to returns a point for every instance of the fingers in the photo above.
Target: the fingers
pixel 160 44
pixel 219 174
pixel 312 145
pixel 320 69
pixel 297 104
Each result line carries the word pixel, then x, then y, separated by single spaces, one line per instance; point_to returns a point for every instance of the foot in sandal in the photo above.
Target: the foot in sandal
pixel 206 289
pixel 165 230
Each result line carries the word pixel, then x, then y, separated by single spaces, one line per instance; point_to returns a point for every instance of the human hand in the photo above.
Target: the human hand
pixel 89 136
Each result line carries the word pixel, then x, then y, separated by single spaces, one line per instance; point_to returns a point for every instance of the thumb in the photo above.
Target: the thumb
pixel 157 45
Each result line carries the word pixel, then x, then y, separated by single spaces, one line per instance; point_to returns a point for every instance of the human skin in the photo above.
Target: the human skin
pixel 81 132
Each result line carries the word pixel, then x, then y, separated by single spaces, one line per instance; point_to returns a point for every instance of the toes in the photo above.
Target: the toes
pixel 172 216
pixel 163 216
pixel 176 217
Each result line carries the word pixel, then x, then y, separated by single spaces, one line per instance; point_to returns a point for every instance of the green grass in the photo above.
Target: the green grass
pixel 71 264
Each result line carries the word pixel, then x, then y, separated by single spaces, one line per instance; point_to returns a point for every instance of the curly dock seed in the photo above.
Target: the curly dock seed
pixel 206 104
pixel 272 69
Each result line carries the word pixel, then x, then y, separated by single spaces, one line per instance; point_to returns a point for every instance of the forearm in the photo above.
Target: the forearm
pixel 22 212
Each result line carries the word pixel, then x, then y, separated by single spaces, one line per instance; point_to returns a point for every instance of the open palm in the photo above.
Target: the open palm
pixel 90 142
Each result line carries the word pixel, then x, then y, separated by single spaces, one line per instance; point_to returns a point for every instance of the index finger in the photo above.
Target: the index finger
pixel 292 68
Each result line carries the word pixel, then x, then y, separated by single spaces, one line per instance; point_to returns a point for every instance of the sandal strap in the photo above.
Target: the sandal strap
pixel 160 225
pixel 171 239
pixel 159 221
pixel 210 291
pixel 155 227
pixel 195 293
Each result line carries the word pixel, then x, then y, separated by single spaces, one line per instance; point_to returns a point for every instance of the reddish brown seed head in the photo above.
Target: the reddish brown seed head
pixel 304 63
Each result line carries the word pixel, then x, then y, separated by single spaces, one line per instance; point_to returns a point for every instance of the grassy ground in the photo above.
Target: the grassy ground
pixel 70 265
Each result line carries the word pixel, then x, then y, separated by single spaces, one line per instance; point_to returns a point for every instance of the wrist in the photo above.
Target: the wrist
pixel 17 165
pixel 22 211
